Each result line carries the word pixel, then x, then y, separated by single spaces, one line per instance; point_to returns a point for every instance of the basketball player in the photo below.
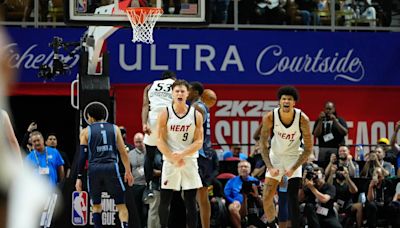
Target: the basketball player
pixel 205 160
pixel 156 97
pixel 286 126
pixel 100 142
pixel 180 137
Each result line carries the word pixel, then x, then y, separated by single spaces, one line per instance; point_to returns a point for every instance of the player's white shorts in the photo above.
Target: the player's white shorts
pixel 176 178
pixel 151 139
pixel 284 162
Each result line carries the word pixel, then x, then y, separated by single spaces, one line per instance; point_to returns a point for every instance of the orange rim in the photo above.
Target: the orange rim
pixel 146 10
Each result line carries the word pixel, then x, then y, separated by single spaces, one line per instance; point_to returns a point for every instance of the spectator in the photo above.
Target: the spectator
pixel 271 12
pixel 235 152
pixel 219 11
pixel 237 192
pixel 46 160
pixel 380 152
pixel 52 142
pixel 26 142
pixel 306 10
pixel 369 13
pixel 43 6
pixel 128 146
pixel 371 164
pixel 177 6
pixel 395 146
pixel 219 212
pixel 380 194
pixel 319 197
pixel 389 151
pixel 257 162
pixel 345 160
pixel 340 178
pixel 137 216
pixel 330 129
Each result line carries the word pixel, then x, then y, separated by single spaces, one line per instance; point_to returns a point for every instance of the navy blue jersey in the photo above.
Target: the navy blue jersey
pixel 206 130
pixel 102 143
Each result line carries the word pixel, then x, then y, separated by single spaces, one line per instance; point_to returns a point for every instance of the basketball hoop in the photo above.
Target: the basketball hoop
pixel 143 20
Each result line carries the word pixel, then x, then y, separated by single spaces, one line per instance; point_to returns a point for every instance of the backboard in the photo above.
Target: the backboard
pixel 110 12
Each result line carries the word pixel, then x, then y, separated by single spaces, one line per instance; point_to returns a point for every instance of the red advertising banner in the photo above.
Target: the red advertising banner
pixel 370 111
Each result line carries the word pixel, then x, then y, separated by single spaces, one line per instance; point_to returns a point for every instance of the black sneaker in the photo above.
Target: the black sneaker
pixel 273 224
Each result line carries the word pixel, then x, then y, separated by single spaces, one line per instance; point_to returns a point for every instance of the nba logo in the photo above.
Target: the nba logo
pixel 81 6
pixel 79 208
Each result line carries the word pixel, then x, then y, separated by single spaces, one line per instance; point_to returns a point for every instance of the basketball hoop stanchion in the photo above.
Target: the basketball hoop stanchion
pixel 143 20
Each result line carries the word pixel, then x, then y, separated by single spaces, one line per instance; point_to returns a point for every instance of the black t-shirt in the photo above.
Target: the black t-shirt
pixel 325 189
pixel 329 127
pixel 343 195
pixel 384 193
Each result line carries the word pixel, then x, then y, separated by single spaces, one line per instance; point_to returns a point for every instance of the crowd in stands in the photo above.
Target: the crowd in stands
pixel 272 12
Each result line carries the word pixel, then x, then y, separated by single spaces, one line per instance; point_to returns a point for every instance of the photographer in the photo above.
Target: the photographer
pixel 380 195
pixel 344 160
pixel 345 187
pixel 330 129
pixel 372 163
pixel 318 197
pixel 238 191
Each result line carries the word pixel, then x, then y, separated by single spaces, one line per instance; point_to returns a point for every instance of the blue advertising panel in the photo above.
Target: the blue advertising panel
pixel 229 57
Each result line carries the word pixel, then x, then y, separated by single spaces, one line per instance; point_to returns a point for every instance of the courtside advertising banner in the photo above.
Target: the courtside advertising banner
pixel 222 56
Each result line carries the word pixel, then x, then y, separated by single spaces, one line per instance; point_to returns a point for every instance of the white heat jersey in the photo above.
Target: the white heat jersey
pixel 181 130
pixel 286 140
pixel 160 96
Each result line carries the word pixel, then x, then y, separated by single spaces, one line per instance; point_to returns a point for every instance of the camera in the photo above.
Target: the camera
pixel 340 168
pixel 59 66
pixel 311 175
pixel 247 186
pixel 309 172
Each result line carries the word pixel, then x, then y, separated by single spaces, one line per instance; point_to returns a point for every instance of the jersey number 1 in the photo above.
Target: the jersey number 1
pixel 103 133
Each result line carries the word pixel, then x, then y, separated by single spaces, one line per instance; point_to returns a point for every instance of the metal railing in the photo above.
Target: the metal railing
pixel 331 16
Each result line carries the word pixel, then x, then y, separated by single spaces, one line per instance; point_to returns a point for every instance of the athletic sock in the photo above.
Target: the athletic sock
pixel 124 224
pixel 97 220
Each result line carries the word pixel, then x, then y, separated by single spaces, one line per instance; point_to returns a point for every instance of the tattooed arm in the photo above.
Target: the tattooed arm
pixel 264 138
pixel 308 141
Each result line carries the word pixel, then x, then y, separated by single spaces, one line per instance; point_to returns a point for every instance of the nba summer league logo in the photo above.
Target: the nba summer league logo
pixel 79 208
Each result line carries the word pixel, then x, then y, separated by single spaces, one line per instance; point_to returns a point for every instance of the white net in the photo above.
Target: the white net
pixel 143 20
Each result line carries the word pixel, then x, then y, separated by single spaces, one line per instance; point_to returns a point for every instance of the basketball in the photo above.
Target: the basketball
pixel 209 97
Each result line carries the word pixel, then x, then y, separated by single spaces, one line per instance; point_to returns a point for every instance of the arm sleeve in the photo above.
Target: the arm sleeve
pixel 82 158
